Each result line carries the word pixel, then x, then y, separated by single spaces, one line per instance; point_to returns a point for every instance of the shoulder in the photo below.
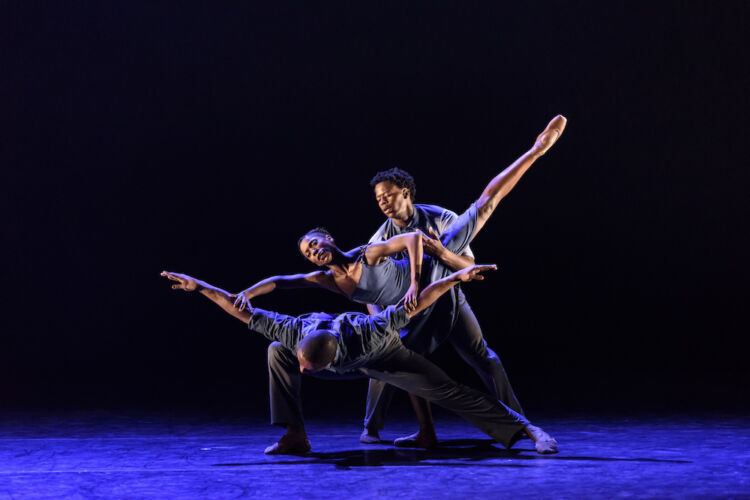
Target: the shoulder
pixel 436 212
pixel 430 209
pixel 382 233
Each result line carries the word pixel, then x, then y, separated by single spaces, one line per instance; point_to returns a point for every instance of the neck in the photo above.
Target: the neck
pixel 403 220
pixel 341 260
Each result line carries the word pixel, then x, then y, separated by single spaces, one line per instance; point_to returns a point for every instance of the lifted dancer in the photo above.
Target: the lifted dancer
pixel 371 344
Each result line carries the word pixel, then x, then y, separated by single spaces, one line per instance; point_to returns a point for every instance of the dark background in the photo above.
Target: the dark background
pixel 206 137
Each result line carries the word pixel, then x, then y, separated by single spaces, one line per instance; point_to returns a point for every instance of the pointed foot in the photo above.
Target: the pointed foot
pixel 550 135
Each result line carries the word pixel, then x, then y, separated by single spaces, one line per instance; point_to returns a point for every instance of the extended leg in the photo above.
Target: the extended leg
pixel 469 343
pixel 414 373
pixel 506 180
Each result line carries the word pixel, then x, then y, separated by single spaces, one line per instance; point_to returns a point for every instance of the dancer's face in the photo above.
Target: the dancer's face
pixel 394 201
pixel 317 248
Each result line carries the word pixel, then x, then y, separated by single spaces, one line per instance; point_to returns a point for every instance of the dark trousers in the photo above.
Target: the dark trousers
pixel 468 341
pixel 406 370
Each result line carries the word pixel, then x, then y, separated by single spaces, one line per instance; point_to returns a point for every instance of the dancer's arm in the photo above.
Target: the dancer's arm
pixel 316 279
pixel 216 295
pixel 434 247
pixel 435 290
pixel 412 243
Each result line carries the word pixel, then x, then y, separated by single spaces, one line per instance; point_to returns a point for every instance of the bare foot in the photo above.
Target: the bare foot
pixel 549 136
pixel 289 444
pixel 369 436
pixel 419 439
pixel 543 442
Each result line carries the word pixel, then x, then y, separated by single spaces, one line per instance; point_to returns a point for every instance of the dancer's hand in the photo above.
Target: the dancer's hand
pixel 432 245
pixel 474 272
pixel 183 281
pixel 410 299
pixel 242 300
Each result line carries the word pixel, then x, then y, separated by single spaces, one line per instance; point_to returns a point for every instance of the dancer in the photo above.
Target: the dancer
pixel 386 282
pixel 370 344
pixel 452 319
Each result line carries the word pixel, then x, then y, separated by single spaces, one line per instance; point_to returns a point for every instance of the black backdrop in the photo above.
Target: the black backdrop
pixel 205 137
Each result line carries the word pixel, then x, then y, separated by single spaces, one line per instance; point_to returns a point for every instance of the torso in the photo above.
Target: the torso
pixel 347 280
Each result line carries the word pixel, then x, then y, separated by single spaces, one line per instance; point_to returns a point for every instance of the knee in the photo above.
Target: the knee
pixel 276 352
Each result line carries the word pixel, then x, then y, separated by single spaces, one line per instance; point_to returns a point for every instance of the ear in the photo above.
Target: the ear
pixel 405 191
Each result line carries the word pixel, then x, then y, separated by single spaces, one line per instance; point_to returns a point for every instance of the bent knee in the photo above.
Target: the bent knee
pixel 277 350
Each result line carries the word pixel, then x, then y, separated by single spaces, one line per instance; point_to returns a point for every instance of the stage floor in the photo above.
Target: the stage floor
pixel 170 456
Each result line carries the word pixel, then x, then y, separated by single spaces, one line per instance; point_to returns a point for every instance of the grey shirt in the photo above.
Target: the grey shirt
pixel 424 218
pixel 362 337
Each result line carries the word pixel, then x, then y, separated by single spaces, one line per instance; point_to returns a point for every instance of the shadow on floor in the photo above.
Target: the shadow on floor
pixel 454 453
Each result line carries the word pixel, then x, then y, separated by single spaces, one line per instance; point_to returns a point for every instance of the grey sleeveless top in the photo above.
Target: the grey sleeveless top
pixel 383 284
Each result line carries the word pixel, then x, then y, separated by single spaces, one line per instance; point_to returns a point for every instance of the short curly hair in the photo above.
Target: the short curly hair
pixel 399 177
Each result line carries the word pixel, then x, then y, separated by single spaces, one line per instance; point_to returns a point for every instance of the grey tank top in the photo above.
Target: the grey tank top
pixel 384 284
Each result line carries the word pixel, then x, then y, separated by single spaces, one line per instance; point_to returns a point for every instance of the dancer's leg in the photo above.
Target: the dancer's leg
pixel 379 395
pixel 465 228
pixel 504 182
pixel 415 374
pixel 425 437
pixel 286 400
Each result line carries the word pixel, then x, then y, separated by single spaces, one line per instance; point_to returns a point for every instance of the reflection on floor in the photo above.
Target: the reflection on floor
pixel 170 456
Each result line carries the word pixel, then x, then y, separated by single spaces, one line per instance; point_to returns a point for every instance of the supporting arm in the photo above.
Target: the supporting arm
pixel 435 290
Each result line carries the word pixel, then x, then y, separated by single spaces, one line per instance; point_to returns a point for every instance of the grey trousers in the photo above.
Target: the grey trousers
pixel 406 370
pixel 468 341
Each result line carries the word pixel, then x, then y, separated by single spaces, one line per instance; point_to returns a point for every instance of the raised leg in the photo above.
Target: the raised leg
pixel 506 180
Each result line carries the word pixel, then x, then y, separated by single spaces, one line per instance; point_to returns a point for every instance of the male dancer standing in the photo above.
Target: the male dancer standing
pixel 452 320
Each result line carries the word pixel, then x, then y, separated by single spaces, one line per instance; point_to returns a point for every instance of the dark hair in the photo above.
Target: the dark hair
pixel 315 230
pixel 399 177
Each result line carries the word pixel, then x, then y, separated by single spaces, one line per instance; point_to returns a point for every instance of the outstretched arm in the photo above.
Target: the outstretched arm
pixel 412 243
pixel 506 180
pixel 316 279
pixel 216 295
pixel 435 290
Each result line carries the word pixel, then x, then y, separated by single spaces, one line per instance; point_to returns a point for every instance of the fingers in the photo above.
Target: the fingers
pixel 432 233
pixel 485 267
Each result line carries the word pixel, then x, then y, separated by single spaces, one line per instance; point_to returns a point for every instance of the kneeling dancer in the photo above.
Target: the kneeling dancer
pixel 370 344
